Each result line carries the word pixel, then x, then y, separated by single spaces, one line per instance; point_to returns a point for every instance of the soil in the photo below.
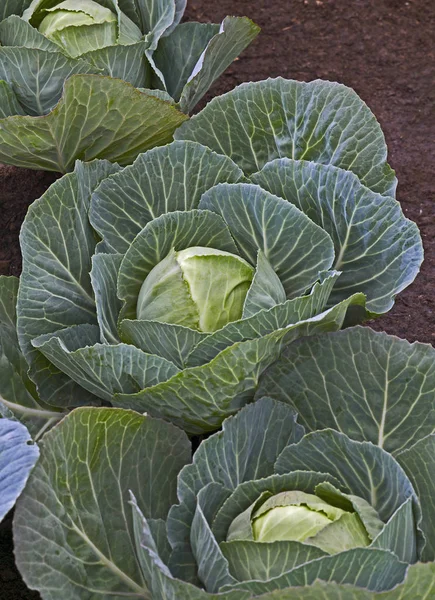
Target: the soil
pixel 384 50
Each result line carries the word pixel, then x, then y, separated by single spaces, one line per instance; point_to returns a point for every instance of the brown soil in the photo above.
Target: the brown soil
pixel 384 50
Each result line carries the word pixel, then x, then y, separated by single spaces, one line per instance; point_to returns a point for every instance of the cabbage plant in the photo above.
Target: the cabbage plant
pixel 267 508
pixel 59 65
pixel 169 286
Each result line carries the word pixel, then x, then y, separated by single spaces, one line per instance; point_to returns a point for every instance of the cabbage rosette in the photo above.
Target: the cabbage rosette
pixel 171 285
pixel 60 61
pixel 266 509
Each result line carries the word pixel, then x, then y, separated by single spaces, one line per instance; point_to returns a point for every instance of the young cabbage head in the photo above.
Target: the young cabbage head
pixel 199 288
pixel 301 517
pixel 79 26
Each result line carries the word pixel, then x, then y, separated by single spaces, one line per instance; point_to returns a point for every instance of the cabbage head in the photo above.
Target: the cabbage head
pixel 60 61
pixel 79 26
pixel 267 508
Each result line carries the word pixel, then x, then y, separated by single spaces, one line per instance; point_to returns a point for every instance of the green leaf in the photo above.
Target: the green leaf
pixel 90 174
pixel 296 248
pixel 419 464
pixel 128 30
pixel 57 243
pixel 12 7
pixel 144 540
pixel 17 458
pixel 103 369
pixel 319 121
pixel 263 561
pixel 178 53
pixel 129 8
pixel 156 16
pixel 266 290
pixel 104 276
pixel 346 533
pixel 180 7
pixel 213 569
pixel 366 470
pixel 375 570
pixel 125 203
pixel 14 31
pixel 370 386
pixel 419 583
pixel 8 101
pixel 78 128
pixel 264 322
pixel 389 258
pixel 174 589
pixel 122 62
pixel 18 395
pixel 246 449
pixel 235 34
pixel 175 230
pixel 173 342
pixel 37 77
pixel 398 535
pixel 159 94
pixel 76 504
pixel 199 398
pixel 354 504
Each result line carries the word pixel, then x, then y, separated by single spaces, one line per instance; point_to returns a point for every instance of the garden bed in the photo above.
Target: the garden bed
pixel 381 48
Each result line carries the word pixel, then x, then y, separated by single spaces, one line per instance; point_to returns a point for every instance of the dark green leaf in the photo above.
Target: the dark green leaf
pixel 371 386
pixel 319 121
pixel 74 530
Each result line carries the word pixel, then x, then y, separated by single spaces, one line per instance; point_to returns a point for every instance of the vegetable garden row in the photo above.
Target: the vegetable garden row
pixel 199 282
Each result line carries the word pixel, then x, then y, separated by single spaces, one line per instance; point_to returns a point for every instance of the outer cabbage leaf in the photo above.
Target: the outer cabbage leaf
pixel 18 395
pixel 419 583
pixel 75 509
pixel 57 244
pixel 375 570
pixel 368 385
pixel 16 32
pixel 199 398
pixel 13 7
pixel 8 101
pixel 419 462
pixel 392 252
pixel 104 275
pixel 235 34
pixel 17 458
pixel 182 48
pixel 123 204
pixel 78 128
pixel 318 121
pixel 39 90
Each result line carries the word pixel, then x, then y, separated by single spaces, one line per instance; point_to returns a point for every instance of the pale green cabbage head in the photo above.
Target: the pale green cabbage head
pixel 78 26
pixel 200 288
pixel 297 516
